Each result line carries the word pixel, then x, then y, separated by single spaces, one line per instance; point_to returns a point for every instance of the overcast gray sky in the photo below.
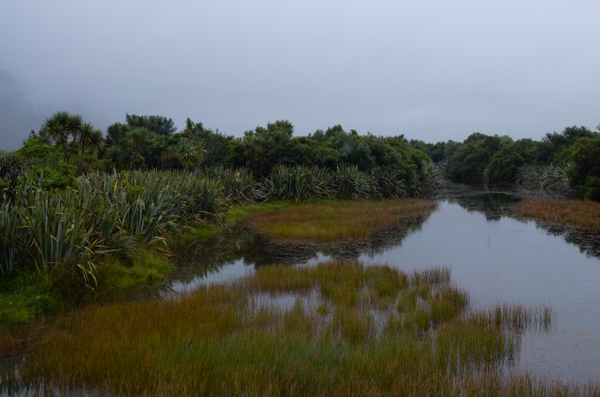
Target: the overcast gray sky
pixel 432 70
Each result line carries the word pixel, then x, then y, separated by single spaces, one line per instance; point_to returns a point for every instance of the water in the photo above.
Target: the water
pixel 494 255
pixel 497 257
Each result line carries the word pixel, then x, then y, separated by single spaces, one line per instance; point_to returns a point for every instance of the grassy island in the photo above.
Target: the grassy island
pixel 574 213
pixel 335 220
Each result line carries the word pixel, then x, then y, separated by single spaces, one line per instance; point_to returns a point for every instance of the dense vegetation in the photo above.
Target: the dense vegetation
pixel 567 162
pixel 82 213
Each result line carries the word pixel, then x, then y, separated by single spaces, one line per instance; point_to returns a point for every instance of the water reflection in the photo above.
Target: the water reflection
pixel 494 254
pixel 236 251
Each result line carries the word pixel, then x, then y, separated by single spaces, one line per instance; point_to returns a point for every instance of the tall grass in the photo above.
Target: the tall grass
pixel 340 334
pixel 335 220
pixel 50 229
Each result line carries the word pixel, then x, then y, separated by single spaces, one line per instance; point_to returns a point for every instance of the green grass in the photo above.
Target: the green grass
pixel 341 335
pixel 335 220
pixel 239 212
pixel 581 214
pixel 147 267
pixel 24 296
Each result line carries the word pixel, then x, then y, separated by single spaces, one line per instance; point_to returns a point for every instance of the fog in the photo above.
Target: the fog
pixel 431 70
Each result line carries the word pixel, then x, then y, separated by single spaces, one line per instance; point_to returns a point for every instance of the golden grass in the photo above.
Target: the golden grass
pixel 583 214
pixel 334 220
pixel 341 335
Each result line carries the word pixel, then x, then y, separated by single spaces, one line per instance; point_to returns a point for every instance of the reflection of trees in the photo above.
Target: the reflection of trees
pixel 203 257
pixel 493 205
pixel 242 243
pixel 587 242
pixel 298 252
pixel 496 204
pixel 206 256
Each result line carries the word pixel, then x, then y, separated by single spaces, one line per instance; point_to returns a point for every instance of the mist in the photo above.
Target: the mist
pixel 430 70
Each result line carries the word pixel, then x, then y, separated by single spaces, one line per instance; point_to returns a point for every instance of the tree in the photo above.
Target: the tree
pixel 134 143
pixel 190 154
pixel 65 129
pixel 89 137
pixel 158 124
pixel 115 132
pixel 584 174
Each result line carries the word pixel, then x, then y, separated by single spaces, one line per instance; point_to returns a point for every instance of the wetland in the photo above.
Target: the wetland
pixel 461 296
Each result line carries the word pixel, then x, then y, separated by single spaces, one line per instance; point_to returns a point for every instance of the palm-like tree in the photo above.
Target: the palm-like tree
pixel 65 128
pixel 190 154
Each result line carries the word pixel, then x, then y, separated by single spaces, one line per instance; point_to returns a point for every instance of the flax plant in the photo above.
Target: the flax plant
pixel 60 231
pixel 551 178
pixel 295 183
pixel 239 185
pixel 348 182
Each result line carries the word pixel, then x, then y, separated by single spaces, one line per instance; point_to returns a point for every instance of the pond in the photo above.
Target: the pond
pixel 494 255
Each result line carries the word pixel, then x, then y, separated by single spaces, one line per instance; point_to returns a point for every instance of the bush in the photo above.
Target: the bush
pixel 584 173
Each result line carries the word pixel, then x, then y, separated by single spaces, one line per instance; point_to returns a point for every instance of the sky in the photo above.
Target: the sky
pixel 432 70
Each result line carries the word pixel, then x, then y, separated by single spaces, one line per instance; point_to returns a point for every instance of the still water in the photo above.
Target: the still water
pixel 494 255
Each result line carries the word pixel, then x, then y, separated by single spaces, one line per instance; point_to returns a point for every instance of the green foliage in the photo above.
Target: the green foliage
pixel 504 165
pixel 48 178
pixel 11 166
pixel 238 184
pixel 158 124
pixel 189 153
pixel 554 146
pixel 470 160
pixel 584 173
pixel 23 296
pixel 348 182
pixel 36 147
pixel 552 178
pixel 264 148
pixel 295 183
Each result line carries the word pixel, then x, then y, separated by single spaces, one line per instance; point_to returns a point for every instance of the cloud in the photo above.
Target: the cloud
pixel 18 116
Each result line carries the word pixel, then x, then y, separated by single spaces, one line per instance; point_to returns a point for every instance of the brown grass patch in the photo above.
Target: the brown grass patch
pixel 8 342
pixel 582 214
pixel 335 220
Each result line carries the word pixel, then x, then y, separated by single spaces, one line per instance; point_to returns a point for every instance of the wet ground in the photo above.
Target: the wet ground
pixel 492 253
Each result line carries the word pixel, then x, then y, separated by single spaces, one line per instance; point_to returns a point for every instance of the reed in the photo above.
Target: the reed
pixel 334 220
pixel 572 213
pixel 228 340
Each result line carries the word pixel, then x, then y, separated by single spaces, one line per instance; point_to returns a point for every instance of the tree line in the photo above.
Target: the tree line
pixel 66 146
pixel 568 161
